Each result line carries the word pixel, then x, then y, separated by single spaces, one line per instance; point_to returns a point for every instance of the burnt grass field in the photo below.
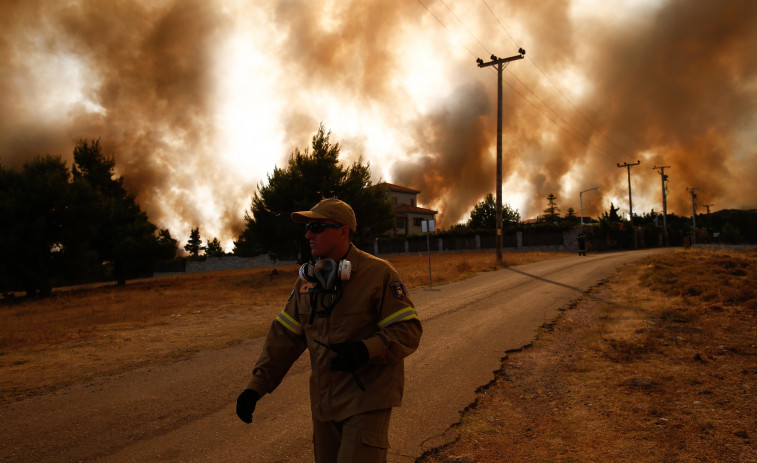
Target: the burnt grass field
pixel 81 333
pixel 658 363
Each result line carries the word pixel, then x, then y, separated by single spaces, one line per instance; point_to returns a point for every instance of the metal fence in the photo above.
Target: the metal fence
pixel 543 238
pixel 455 243
pixel 513 240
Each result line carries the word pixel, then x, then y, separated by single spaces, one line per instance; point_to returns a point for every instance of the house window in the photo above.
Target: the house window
pixel 417 221
pixel 412 202
pixel 401 222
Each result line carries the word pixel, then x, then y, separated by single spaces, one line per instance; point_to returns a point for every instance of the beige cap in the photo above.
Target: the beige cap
pixel 328 209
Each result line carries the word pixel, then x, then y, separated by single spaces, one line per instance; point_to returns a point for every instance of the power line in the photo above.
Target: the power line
pixel 559 90
pixel 513 74
pixel 466 27
pixel 556 87
pixel 578 135
pixel 501 25
pixel 587 143
pixel 584 142
pixel 446 28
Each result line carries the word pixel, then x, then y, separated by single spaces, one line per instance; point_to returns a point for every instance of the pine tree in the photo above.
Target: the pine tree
pixel 552 212
pixel 194 245
pixel 308 178
pixel 214 248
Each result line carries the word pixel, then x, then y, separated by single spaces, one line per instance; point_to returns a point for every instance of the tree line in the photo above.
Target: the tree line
pixel 309 177
pixel 64 226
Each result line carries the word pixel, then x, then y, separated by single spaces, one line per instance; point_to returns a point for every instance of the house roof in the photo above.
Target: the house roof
pixel 405 208
pixel 400 189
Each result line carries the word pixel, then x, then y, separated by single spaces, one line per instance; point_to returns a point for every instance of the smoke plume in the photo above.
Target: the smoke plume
pixel 672 84
pixel 677 90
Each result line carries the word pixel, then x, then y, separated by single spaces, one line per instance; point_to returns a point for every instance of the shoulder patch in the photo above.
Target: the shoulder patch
pixel 398 289
pixel 305 288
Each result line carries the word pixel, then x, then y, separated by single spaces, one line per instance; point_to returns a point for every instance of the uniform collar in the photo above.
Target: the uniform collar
pixel 353 255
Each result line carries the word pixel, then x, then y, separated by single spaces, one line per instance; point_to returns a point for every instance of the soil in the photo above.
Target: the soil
pixel 98 330
pixel 658 363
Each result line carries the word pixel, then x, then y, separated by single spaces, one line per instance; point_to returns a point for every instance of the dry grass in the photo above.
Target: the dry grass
pixel 658 364
pixel 80 333
pixel 82 314
pixel 447 267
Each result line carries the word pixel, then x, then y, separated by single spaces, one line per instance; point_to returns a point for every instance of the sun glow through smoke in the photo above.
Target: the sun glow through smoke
pixel 200 100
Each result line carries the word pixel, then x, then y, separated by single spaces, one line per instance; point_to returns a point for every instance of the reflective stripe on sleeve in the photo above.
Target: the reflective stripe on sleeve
pixel 399 316
pixel 289 323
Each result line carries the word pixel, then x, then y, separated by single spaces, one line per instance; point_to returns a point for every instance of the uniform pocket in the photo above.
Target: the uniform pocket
pixel 374 439
pixel 352 323
pixel 360 437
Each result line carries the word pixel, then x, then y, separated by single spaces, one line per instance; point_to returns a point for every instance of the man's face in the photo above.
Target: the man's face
pixel 328 242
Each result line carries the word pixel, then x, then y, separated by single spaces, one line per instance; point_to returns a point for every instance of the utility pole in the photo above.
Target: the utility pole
pixel 500 63
pixel 693 205
pixel 693 215
pixel 581 200
pixel 630 203
pixel 664 202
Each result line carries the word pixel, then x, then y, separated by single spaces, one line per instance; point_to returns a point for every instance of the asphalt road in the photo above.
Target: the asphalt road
pixel 185 411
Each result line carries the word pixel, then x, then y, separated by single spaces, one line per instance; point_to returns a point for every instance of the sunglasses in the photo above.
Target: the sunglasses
pixel 319 227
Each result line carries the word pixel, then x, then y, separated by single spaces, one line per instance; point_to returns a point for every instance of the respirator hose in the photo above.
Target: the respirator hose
pixel 314 300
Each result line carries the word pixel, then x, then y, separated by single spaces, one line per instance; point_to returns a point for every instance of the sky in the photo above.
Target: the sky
pixel 199 100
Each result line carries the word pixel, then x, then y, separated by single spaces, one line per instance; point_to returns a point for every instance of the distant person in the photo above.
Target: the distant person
pixel 353 313
pixel 581 244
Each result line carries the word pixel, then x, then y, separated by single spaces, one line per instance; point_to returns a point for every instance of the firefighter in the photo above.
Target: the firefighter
pixel 581 244
pixel 353 314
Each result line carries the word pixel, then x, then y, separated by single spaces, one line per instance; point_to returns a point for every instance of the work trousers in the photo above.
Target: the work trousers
pixel 362 438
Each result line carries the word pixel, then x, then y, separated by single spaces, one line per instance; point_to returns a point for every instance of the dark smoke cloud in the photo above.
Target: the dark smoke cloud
pixel 677 89
pixel 149 77
pixel 155 77
pixel 351 55
pixel 682 91
pixel 354 52
pixel 23 133
pixel 453 157
pixel 674 86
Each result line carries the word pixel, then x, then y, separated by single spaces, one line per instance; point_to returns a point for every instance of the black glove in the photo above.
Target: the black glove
pixel 246 405
pixel 350 356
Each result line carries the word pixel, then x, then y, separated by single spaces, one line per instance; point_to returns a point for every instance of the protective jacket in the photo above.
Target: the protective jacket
pixel 375 308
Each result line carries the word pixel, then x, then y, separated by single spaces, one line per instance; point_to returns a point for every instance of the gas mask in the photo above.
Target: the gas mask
pixel 326 272
pixel 327 276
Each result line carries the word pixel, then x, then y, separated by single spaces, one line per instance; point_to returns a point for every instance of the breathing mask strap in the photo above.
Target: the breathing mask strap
pixel 327 308
pixel 325 274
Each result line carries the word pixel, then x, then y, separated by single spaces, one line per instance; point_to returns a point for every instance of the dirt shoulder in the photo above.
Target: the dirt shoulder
pixel 87 332
pixel 658 363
